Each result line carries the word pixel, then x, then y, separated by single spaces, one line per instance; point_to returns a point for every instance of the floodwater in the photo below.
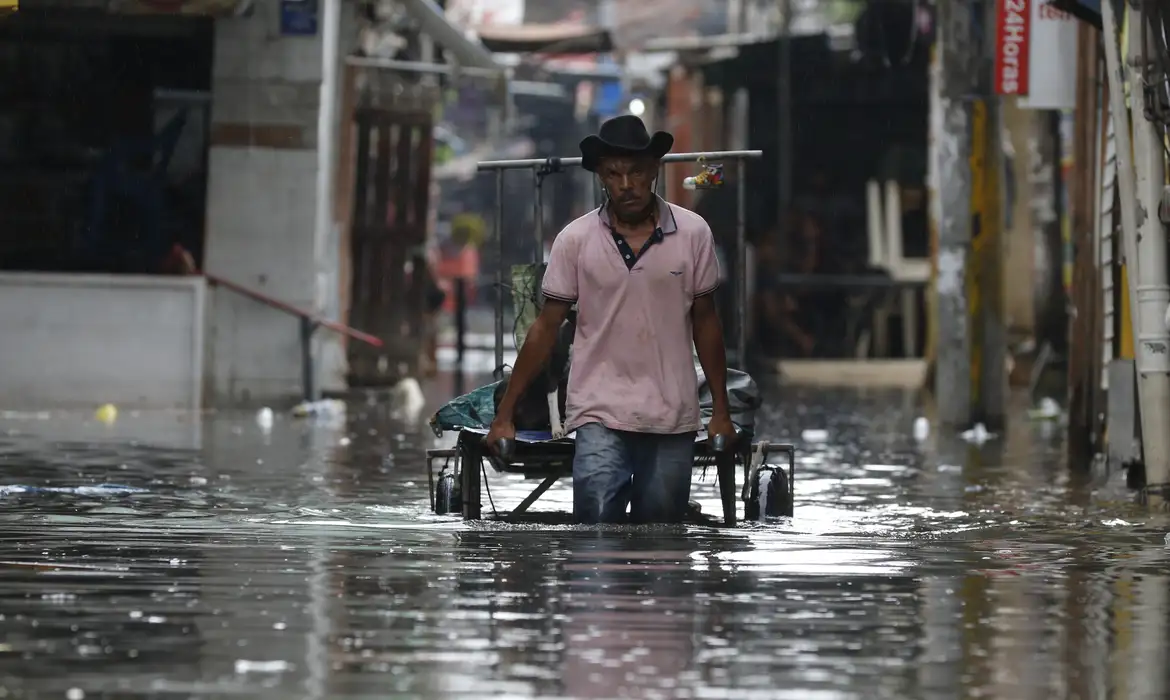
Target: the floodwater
pixel 185 557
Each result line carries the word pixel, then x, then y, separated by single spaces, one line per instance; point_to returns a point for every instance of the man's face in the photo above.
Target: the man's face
pixel 629 182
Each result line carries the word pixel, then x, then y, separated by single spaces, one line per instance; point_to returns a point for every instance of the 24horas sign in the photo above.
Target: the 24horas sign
pixel 1035 54
pixel 1012 45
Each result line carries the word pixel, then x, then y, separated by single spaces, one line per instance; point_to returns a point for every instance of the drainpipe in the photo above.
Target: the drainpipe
pixel 324 241
pixel 1152 279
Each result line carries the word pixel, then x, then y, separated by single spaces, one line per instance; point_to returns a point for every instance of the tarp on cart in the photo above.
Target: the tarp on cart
pixel 476 409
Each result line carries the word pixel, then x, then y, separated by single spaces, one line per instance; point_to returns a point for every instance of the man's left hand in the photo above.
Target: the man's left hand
pixel 720 424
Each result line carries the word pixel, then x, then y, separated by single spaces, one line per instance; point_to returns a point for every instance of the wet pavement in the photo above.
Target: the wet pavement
pixel 175 557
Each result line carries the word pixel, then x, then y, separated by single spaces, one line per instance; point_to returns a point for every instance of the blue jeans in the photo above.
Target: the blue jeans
pixel 613 469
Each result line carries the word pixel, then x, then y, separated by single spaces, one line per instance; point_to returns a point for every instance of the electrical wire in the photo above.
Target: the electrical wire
pixel 1155 97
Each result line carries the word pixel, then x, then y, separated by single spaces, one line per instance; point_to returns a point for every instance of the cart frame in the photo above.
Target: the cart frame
pixel 551 461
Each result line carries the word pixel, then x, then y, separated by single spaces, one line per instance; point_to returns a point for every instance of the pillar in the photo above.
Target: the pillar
pixel 268 227
pixel 970 339
pixel 952 81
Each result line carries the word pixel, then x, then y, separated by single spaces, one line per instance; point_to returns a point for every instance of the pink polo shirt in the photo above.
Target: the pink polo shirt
pixel 633 356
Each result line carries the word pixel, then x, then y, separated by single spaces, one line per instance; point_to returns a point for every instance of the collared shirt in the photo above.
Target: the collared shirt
pixel 633 356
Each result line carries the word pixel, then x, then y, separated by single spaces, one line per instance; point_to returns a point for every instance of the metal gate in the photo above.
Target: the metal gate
pixel 389 223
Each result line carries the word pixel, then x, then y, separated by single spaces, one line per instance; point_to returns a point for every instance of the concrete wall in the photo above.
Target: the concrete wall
pixel 85 340
pixel 262 217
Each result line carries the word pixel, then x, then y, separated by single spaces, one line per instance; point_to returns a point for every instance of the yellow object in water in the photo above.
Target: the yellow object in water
pixel 106 413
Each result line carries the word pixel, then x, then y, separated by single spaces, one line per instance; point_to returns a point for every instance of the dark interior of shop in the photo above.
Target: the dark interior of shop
pixel 103 141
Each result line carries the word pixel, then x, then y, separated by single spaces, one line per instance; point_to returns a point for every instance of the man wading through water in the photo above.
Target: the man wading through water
pixel 642 273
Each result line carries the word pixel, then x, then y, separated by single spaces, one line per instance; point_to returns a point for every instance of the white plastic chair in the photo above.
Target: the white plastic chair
pixel 884 224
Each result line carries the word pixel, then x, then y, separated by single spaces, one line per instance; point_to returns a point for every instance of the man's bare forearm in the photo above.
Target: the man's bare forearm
pixel 542 336
pixel 708 335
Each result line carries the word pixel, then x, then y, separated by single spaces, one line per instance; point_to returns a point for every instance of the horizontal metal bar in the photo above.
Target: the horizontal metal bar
pixel 487 165
pixel 287 308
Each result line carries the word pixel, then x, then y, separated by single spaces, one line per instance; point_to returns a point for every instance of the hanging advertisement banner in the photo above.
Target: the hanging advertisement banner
pixel 1012 46
pixel 1052 59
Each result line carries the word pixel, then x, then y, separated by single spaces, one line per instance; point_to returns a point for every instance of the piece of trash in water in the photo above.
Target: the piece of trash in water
pixel 977 434
pixel 244 666
pixel 264 418
pixel 344 442
pixel 921 428
pixel 1167 540
pixel 107 413
pixel 1047 409
pixel 814 435
pixel 325 408
pixel 406 400
pixel 74 694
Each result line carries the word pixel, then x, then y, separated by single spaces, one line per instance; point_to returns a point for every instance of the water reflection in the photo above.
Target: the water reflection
pixel 301 561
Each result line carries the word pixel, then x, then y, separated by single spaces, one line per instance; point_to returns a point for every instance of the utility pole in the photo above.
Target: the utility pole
pixel 1148 271
pixel 952 84
pixel 970 344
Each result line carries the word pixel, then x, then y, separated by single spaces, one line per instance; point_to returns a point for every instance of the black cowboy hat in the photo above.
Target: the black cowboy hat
pixel 623 136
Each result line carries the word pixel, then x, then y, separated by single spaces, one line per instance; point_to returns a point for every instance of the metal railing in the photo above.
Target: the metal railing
pixel 309 323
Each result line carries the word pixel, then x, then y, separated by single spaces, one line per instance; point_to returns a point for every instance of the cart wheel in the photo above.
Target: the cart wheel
pixel 769 496
pixel 448 497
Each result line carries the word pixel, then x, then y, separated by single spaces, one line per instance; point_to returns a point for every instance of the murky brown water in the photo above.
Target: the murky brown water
pixel 305 563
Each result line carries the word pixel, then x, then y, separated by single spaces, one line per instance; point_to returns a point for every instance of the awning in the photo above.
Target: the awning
pixel 466 51
pixel 1084 10
pixel 559 38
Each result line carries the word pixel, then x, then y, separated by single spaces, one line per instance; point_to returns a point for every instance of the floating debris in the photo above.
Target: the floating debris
pixel 244 666
pixel 325 408
pixel 107 413
pixel 1047 409
pixel 921 429
pixel 978 434
pixel 264 418
pixel 814 435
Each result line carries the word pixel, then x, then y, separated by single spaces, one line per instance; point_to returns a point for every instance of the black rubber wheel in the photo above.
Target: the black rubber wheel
pixel 769 496
pixel 448 495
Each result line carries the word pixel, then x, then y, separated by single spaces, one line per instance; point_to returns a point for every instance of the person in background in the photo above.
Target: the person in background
pixel 423 282
pixel 795 320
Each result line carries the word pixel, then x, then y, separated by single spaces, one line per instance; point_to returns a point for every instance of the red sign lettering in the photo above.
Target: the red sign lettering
pixel 1012 31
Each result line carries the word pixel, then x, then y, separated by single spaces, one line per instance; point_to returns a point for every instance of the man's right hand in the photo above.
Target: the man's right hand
pixel 500 429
